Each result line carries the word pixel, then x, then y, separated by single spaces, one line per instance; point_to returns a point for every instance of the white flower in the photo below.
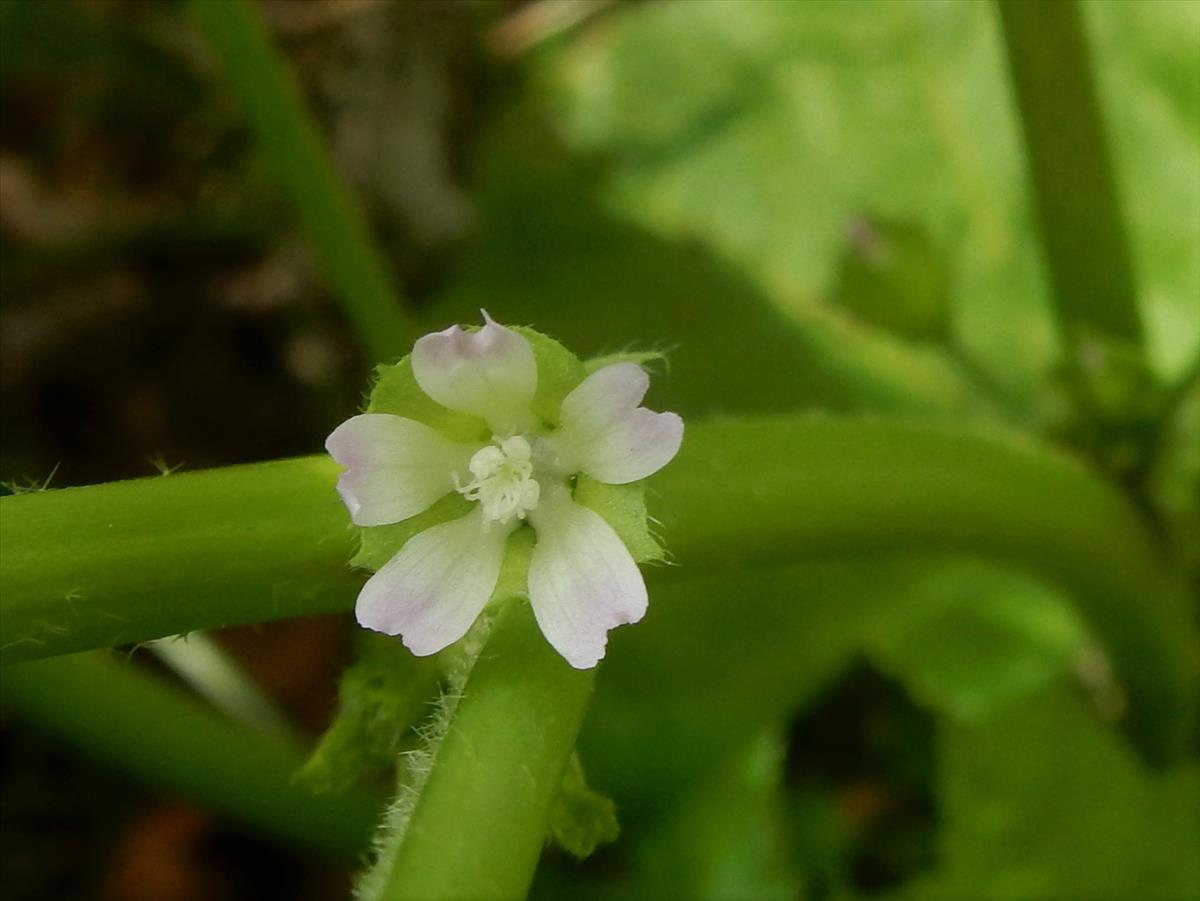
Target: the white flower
pixel 582 579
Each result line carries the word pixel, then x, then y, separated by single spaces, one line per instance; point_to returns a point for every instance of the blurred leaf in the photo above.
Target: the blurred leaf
pixel 729 840
pixel 891 275
pixel 581 818
pixel 717 660
pixel 983 638
pixel 1175 481
pixel 723 657
pixel 115 712
pixel 548 252
pixel 1148 74
pixel 791 121
pixel 382 696
pixel 1041 801
pixel 765 128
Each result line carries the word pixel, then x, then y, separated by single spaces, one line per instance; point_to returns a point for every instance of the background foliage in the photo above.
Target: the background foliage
pixel 820 208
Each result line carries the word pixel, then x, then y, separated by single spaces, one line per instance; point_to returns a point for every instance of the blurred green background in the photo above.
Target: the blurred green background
pixel 809 206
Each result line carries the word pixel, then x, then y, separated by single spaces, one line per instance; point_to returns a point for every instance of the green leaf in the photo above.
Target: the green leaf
pixel 766 129
pixel 381 697
pixel 116 713
pixel 581 818
pixel 891 275
pixel 723 656
pixel 763 129
pixel 603 283
pixel 976 637
pixel 1040 800
pixel 729 839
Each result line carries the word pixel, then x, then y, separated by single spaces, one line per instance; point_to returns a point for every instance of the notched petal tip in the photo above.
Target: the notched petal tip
pixel 490 373
pixel 647 442
pixel 432 591
pixel 608 435
pixel 347 491
pixel 582 581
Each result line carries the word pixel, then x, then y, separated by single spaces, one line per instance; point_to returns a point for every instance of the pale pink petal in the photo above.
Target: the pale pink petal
pixel 607 435
pixel 582 580
pixel 488 373
pixel 432 591
pixel 396 467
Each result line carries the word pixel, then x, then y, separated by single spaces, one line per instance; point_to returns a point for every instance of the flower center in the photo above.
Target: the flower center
pixel 503 480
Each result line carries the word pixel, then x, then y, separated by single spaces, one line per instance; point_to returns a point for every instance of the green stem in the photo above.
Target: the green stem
pixel 162 735
pixel 1074 189
pixel 476 827
pixel 818 486
pixel 129 561
pixel 298 156
pixel 160 556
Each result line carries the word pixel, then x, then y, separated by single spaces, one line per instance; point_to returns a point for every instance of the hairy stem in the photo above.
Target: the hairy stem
pixel 137 560
pixel 129 561
pixel 477 817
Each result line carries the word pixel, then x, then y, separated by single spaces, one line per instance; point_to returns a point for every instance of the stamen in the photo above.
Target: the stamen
pixel 503 482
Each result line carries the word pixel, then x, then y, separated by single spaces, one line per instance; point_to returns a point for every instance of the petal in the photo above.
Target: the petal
pixel 607 435
pixel 582 580
pixel 397 467
pixel 488 373
pixel 433 590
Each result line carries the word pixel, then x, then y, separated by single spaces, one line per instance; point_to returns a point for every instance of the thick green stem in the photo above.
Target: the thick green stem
pixel 165 737
pixel 130 561
pixel 298 156
pixel 477 826
pixel 1074 189
pixel 824 486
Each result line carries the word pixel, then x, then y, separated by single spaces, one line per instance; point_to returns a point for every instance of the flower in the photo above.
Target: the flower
pixel 582 579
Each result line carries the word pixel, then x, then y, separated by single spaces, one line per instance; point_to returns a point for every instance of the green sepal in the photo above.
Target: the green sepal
pixel 559 372
pixel 379 544
pixel 639 357
pixel 396 391
pixel 624 508
pixel 581 818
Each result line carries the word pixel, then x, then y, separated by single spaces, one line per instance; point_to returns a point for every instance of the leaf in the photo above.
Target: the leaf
pixel 723 656
pixel 980 638
pixel 891 275
pixel 729 839
pixel 381 697
pixel 603 285
pixel 581 818
pixel 1040 800
pixel 764 129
